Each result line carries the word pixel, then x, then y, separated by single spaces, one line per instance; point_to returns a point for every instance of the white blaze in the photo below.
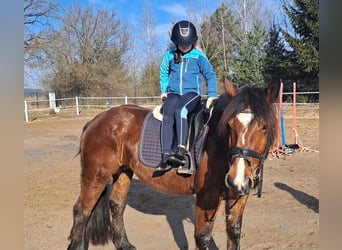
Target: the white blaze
pixel 245 119
pixel 240 181
pixel 240 177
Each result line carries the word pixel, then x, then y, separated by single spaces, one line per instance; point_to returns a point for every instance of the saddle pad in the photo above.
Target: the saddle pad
pixel 149 145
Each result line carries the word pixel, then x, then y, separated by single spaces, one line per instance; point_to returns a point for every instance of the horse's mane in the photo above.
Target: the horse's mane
pixel 255 99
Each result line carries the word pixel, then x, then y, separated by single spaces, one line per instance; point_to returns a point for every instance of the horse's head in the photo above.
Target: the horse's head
pixel 250 122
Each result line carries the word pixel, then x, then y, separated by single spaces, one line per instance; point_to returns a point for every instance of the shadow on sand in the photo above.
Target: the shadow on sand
pixel 309 201
pixel 176 208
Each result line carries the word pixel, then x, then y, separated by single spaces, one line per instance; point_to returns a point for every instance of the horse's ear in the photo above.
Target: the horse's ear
pixel 272 90
pixel 230 88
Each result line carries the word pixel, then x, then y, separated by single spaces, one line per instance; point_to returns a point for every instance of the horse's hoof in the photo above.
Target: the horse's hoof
pixel 128 247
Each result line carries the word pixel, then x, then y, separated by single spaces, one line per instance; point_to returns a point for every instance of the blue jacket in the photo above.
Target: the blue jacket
pixel 181 78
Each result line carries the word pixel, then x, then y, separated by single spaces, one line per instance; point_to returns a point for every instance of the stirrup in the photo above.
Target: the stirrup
pixel 184 170
pixel 180 156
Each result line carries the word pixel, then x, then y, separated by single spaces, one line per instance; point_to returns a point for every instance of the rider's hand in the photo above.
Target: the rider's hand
pixel 210 101
pixel 163 96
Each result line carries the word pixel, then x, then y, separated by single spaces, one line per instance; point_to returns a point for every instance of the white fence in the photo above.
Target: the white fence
pixel 73 106
pixel 44 106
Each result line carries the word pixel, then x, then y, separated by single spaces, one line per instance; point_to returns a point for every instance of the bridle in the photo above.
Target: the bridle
pixel 246 154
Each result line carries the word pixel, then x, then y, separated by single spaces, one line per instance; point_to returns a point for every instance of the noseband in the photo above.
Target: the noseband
pixel 245 154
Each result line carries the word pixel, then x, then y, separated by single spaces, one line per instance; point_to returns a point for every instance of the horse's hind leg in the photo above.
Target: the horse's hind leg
pixel 77 239
pixel 91 189
pixel 117 206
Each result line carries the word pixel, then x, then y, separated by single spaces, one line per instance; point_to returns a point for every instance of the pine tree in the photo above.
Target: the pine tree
pixel 219 38
pixel 276 65
pixel 249 62
pixel 303 45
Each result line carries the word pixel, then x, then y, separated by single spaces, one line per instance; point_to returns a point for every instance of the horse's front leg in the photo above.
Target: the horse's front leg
pixel 234 214
pixel 206 209
pixel 117 207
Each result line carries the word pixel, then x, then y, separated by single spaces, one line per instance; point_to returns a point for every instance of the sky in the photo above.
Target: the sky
pixel 163 13
pixel 131 12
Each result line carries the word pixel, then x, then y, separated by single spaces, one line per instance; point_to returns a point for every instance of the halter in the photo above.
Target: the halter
pixel 245 153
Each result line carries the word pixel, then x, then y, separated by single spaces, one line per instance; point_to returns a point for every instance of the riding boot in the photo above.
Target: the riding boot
pixel 163 165
pixel 179 156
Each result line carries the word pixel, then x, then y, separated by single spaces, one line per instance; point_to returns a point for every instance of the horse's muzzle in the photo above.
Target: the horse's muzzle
pixel 239 188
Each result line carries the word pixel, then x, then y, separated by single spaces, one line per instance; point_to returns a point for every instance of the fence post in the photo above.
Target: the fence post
pixel 126 99
pixel 294 114
pixel 26 111
pixel 77 108
pixel 280 106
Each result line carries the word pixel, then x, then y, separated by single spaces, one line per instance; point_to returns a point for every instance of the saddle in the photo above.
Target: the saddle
pixel 150 144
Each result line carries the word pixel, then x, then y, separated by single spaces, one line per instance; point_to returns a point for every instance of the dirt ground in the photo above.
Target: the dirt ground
pixel 285 217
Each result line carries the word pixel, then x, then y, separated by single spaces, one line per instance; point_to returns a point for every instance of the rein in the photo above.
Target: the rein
pixel 245 154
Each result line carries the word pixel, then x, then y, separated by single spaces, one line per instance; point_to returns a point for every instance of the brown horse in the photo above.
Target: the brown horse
pixel 241 131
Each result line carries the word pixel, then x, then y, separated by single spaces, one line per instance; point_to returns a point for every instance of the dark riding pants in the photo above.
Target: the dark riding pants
pixel 175 112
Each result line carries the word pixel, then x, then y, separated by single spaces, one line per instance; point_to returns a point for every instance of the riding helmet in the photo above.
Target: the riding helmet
pixel 184 33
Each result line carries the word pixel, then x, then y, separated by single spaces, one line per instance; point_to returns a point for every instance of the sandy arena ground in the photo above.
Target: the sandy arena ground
pixel 285 217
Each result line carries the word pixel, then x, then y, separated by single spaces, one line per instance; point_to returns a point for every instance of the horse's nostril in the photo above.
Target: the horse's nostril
pixel 250 182
pixel 228 181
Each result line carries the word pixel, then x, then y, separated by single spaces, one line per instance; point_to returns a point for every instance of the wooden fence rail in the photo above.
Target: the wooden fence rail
pixel 34 108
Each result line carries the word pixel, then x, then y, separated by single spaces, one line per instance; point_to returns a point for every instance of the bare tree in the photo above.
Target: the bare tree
pixel 248 12
pixel 134 60
pixel 148 35
pixel 85 56
pixel 150 71
pixel 37 17
pixel 36 14
pixel 219 38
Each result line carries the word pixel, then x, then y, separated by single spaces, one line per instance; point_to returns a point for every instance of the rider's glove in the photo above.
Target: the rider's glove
pixel 210 101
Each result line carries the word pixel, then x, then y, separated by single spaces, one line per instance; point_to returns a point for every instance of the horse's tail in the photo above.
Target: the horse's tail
pixel 98 229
